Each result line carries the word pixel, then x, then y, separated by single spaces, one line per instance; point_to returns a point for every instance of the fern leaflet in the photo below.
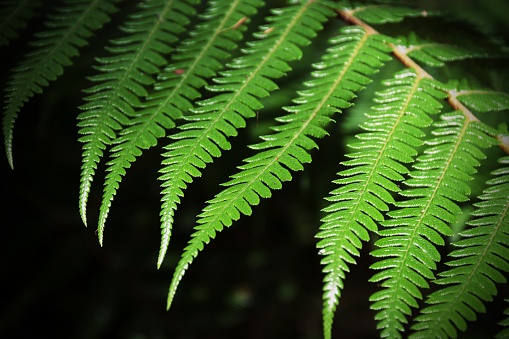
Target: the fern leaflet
pixel 122 82
pixel 481 255
pixel 195 60
pixel 68 30
pixel 420 223
pixel 393 134
pixel 220 116
pixel 352 50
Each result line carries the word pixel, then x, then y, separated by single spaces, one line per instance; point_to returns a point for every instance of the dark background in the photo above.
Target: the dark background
pixel 259 279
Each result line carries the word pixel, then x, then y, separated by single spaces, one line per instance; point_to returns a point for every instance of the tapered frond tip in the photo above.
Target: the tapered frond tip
pixel 8 152
pixel 165 240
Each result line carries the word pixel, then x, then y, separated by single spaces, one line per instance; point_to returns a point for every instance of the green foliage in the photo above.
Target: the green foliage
pixel 481 261
pixel 13 17
pixel 67 30
pixel 429 148
pixel 112 105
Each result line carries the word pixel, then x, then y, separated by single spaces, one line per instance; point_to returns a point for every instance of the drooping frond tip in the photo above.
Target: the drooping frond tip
pixel 115 100
pixel 68 29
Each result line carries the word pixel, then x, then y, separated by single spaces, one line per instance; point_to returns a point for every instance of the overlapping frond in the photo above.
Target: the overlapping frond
pixel 406 175
pixel 248 79
pixel 68 30
pixel 479 262
pixel 14 15
pixel 409 240
pixel 365 190
pixel 122 82
pixel 193 62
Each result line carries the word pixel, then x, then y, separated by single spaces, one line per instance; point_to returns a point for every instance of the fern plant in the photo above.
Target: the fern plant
pixel 187 76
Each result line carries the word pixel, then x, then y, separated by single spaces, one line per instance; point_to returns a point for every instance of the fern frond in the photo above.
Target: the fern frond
pixel 194 60
pixel 14 15
pixel 394 132
pixel 68 30
pixel 206 135
pixel 480 259
pixel 410 238
pixel 122 81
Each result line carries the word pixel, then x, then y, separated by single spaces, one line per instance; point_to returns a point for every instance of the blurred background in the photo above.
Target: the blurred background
pixel 259 279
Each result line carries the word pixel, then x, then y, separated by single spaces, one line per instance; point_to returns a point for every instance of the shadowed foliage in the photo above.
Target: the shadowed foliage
pixel 414 117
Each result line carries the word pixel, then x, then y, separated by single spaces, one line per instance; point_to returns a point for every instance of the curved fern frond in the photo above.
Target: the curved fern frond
pixel 394 133
pixel 240 87
pixel 14 15
pixel 410 238
pixel 122 81
pixel 481 258
pixel 68 30
pixel 194 60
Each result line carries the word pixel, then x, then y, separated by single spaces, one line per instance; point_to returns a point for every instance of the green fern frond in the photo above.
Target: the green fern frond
pixel 481 258
pixel 68 30
pixel 394 133
pixel 421 222
pixel 14 15
pixel 196 59
pixel 240 87
pixel 123 79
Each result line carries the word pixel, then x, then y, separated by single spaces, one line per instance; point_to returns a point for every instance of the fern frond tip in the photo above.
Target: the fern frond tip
pixel 165 240
pixel 8 152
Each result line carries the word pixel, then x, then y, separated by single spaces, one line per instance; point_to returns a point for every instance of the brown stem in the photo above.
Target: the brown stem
pixel 401 53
